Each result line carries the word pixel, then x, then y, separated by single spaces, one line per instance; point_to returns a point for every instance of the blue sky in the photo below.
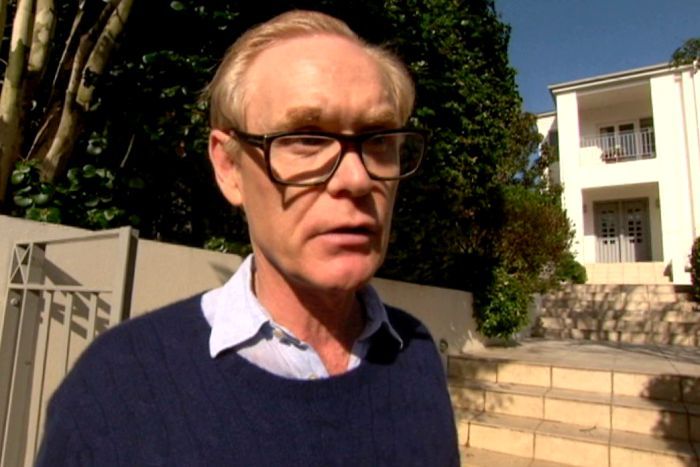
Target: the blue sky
pixel 554 41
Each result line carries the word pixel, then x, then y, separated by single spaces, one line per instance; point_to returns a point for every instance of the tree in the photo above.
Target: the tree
pixel 45 100
pixel 687 53
pixel 460 223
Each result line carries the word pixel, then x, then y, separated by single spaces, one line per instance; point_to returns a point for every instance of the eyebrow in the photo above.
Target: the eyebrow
pixel 299 117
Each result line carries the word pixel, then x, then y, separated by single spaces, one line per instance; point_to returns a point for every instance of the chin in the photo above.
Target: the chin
pixel 347 274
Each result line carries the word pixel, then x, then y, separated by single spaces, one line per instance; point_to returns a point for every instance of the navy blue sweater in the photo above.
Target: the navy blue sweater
pixel 147 393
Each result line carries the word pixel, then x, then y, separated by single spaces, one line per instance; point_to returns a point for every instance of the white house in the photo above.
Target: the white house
pixel 629 163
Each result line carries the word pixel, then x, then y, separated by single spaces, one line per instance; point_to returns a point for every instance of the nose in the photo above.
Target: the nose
pixel 351 177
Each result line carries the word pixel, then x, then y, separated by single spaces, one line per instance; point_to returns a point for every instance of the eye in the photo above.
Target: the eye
pixel 302 145
pixel 380 144
pixel 300 141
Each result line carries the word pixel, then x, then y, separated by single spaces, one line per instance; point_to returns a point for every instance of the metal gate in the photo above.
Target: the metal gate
pixel 622 231
pixel 51 314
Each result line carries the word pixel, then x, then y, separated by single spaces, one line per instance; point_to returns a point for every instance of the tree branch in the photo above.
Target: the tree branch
pixel 99 57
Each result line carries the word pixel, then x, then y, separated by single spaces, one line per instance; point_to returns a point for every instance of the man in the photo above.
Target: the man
pixel 295 360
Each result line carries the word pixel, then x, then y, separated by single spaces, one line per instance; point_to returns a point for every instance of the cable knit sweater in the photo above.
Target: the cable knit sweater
pixel 147 393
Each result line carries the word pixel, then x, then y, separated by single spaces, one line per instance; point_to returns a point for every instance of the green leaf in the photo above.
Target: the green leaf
pixel 41 198
pixel 136 183
pixel 91 203
pixel 89 171
pixel 111 213
pixel 47 188
pixel 33 214
pixel 22 201
pixel 52 215
pixel 94 149
pixel 177 6
pixel 149 58
pixel 73 174
pixel 17 177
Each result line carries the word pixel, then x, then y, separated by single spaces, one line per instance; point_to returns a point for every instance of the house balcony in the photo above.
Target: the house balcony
pixel 622 158
pixel 623 146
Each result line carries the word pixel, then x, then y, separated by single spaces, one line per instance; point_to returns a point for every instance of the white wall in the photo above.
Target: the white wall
pixel 594 173
pixel 674 174
pixel 629 112
pixel 165 273
pixel 569 143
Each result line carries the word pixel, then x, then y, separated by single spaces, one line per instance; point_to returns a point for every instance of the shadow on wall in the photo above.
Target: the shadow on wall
pixel 630 314
pixel 82 302
pixel 665 406
pixel 676 418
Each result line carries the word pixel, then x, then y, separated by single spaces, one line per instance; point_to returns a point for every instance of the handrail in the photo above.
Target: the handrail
pixel 624 145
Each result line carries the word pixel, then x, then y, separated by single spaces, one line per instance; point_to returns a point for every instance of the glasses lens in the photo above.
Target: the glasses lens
pixel 303 158
pixel 393 155
pixel 310 159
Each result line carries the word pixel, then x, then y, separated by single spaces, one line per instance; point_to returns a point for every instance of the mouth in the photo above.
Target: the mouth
pixel 354 230
pixel 351 235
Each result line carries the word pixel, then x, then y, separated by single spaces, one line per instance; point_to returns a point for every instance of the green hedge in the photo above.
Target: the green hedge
pixel 502 310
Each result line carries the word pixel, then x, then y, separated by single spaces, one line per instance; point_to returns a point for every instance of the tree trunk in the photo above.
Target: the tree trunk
pixel 63 141
pixel 3 14
pixel 87 69
pixel 100 54
pixel 44 24
pixel 52 115
pixel 11 96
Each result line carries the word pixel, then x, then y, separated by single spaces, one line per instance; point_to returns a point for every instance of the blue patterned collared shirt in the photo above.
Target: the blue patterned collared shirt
pixel 238 321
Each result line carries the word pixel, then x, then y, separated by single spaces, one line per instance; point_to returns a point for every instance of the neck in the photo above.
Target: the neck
pixel 329 321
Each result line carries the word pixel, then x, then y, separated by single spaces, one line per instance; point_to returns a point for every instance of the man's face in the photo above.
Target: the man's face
pixel 331 236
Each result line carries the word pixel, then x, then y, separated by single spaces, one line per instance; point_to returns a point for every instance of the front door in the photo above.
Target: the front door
pixel 622 231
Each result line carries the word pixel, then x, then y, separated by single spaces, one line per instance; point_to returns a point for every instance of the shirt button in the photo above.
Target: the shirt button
pixel 313 376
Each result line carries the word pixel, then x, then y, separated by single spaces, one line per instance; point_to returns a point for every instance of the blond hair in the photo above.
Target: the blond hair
pixel 226 91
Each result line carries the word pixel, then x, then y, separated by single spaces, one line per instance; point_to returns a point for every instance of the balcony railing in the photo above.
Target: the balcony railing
pixel 623 146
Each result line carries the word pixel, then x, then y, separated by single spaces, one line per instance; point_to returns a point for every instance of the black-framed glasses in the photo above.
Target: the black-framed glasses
pixel 305 158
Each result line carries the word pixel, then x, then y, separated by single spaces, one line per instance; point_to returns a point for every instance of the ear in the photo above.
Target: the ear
pixel 226 167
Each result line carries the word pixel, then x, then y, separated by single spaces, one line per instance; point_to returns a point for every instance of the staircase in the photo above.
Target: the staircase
pixel 640 314
pixel 577 403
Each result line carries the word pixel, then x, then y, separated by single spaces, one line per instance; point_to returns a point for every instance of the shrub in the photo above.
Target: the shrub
pixel 570 270
pixel 88 196
pixel 535 235
pixel 695 269
pixel 501 309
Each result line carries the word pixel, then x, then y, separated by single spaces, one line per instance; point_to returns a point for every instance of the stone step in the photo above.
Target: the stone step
pixel 660 418
pixel 569 444
pixel 625 288
pixel 625 324
pixel 640 295
pixel 670 315
pixel 580 304
pixel 625 371
pixel 473 457
pixel 684 340
pixel 627 273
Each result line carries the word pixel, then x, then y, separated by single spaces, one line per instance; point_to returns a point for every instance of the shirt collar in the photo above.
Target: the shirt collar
pixel 235 314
